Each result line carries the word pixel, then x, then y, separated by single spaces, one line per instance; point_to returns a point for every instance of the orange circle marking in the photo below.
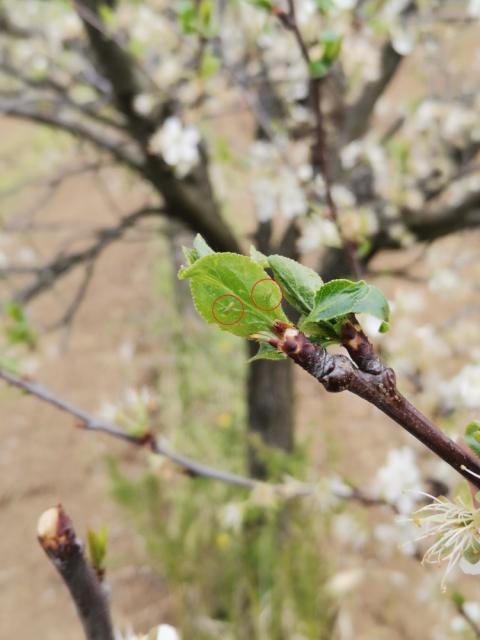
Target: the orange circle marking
pixel 227 295
pixel 282 297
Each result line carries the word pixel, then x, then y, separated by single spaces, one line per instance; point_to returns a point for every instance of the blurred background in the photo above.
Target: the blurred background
pixel 128 126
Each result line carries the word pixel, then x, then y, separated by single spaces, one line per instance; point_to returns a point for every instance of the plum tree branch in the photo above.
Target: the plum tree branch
pixel 338 373
pixel 319 147
pixel 191 467
pixel 63 264
pixel 58 539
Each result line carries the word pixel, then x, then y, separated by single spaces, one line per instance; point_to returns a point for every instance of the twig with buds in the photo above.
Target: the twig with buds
pixel 58 539
pixel 338 373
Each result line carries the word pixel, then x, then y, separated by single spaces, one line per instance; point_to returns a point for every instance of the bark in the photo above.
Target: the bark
pixel 58 539
pixel 270 385
pixel 270 409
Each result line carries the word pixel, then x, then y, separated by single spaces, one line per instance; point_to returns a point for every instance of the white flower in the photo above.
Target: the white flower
pixel 282 194
pixel 456 527
pixel 402 41
pixel 464 388
pixel 108 411
pixel 346 4
pixel 398 478
pixel 135 397
pixel 474 9
pixel 443 281
pixel 470 568
pixel 344 582
pixel 143 104
pixel 167 632
pixel 232 516
pixel 293 201
pixel 397 535
pixel 264 196
pixel 321 233
pixel 178 145
pixel 348 531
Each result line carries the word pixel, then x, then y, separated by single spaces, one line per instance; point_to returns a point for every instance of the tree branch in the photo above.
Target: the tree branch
pixel 57 121
pixel 319 150
pixel 58 539
pixel 338 373
pixel 63 264
pixel 191 467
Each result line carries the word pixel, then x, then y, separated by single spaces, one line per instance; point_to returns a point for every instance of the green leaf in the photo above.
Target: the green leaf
pixel 234 292
pixel 258 257
pixel 318 68
pixel 268 352
pixel 200 249
pixel 19 329
pixel 338 298
pixel 472 437
pixel 97 548
pixel 210 65
pixel 458 599
pixel 332 45
pixel 325 6
pixel 299 283
pixel 267 5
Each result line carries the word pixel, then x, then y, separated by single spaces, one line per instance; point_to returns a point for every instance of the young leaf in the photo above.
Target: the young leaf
pixel 97 548
pixel 200 249
pixel 258 257
pixel 472 436
pixel 267 352
pixel 332 45
pixel 318 68
pixel 234 292
pixel 299 283
pixel 338 298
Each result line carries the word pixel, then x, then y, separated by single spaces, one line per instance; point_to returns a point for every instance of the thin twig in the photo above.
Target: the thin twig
pixel 192 467
pixel 319 147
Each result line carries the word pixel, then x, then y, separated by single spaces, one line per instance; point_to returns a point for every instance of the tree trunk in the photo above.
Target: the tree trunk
pixel 270 385
pixel 270 409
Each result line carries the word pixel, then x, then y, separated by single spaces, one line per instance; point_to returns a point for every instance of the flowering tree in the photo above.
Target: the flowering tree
pixel 330 167
pixel 335 170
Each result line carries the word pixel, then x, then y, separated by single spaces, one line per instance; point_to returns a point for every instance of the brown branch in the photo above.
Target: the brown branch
pixel 338 373
pixel 63 264
pixel 319 148
pixel 58 539
pixel 191 467
pixel 56 121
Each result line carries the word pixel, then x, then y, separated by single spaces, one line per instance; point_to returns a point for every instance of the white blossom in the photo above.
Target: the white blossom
pixel 167 632
pixel 321 233
pixel 108 411
pixel 464 388
pixel 455 527
pixel 398 478
pixel 473 9
pixel 177 145
pixel 345 4
pixel 143 104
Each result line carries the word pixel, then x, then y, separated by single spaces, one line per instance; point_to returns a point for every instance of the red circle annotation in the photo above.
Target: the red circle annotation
pixel 217 319
pixel 282 297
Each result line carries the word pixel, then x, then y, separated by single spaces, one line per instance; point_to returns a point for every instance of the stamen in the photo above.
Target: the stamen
pixel 464 468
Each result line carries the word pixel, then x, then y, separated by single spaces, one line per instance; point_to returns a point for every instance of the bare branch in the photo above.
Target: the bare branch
pixel 58 539
pixel 319 150
pixel 54 120
pixel 63 264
